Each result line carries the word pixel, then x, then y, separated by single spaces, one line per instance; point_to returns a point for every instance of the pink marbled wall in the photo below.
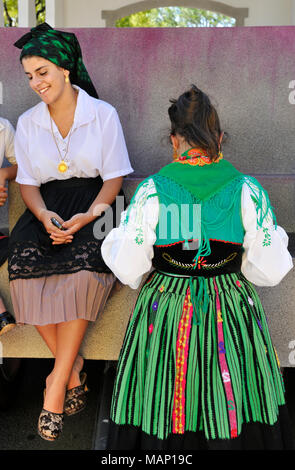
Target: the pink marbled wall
pixel 246 71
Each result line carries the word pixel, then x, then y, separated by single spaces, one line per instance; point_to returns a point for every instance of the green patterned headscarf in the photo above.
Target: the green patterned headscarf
pixel 61 48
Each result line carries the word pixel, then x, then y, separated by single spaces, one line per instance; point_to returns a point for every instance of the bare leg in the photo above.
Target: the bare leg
pixel 2 306
pixel 69 336
pixel 49 335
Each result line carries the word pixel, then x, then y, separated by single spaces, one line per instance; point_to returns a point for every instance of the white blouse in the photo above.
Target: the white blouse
pixel 96 144
pixel 6 142
pixel 263 263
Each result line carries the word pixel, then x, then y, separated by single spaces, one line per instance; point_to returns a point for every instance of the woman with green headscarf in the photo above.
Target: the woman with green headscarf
pixel 71 157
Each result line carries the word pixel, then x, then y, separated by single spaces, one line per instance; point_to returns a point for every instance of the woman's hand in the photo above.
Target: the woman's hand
pixel 3 193
pixel 57 235
pixel 35 203
pixel 77 222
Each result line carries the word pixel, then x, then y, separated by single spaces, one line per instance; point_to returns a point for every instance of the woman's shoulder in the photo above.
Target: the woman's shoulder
pixel 103 107
pixel 6 128
pixel 91 101
pixel 100 106
pixel 5 123
pixel 27 115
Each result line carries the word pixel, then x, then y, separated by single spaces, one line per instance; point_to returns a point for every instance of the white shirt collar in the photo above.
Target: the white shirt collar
pixel 85 111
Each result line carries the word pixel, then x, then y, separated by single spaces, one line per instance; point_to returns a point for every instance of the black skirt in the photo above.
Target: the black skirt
pixel 254 436
pixel 3 248
pixel 31 253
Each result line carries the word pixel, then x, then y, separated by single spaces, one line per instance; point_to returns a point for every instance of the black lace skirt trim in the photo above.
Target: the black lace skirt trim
pixel 31 253
pixel 28 261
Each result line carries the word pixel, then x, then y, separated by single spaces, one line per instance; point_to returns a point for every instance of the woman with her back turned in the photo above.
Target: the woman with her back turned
pixel 197 369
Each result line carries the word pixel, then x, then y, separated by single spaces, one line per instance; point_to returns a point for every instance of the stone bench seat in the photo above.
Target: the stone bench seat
pixel 104 337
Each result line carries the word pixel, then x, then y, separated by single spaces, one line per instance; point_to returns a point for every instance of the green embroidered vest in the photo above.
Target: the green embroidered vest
pixel 199 203
pixel 200 229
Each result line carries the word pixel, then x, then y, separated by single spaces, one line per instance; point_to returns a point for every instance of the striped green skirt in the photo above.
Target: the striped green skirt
pixel 177 375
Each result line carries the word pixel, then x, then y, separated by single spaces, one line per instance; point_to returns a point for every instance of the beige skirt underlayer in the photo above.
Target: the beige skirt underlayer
pixel 60 297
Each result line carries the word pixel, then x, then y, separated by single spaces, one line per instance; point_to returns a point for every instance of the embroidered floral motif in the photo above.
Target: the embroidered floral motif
pixel 151 327
pixel 267 237
pixel 224 368
pixel 139 236
pixel 174 262
pixel 221 263
pixel 197 157
pixel 178 413
pixel 155 306
pixel 201 262
pixel 135 225
pixel 162 288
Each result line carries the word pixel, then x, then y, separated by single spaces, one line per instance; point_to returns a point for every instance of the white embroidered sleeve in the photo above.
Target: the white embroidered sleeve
pixel 128 249
pixel 266 259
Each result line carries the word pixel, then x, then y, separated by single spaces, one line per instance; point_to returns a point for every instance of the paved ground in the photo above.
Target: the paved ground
pixel 85 431
pixel 18 423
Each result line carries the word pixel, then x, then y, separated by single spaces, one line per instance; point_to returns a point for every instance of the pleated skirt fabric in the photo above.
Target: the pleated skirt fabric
pixel 56 283
pixel 198 385
pixel 60 297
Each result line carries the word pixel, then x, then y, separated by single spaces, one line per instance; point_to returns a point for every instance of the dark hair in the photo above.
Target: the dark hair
pixel 193 117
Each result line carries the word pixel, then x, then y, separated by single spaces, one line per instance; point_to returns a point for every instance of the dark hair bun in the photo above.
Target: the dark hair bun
pixel 194 118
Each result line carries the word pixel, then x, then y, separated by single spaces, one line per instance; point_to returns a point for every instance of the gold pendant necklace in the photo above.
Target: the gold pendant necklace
pixel 63 166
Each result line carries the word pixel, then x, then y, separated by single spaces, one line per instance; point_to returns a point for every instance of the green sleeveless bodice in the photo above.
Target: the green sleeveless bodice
pixel 199 203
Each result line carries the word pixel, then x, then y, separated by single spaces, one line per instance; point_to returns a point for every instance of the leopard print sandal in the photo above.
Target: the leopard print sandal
pixel 75 399
pixel 50 425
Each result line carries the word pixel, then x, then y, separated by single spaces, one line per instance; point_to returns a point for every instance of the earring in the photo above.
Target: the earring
pixel 67 79
pixel 175 154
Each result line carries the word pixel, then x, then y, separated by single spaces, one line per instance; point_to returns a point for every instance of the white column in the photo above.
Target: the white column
pixel 55 13
pixel 1 14
pixel 26 13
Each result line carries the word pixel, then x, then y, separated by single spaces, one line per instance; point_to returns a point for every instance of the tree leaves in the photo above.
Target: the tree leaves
pixel 175 17
pixel 11 12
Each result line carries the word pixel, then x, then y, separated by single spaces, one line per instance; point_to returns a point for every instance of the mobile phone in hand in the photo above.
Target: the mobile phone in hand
pixel 57 224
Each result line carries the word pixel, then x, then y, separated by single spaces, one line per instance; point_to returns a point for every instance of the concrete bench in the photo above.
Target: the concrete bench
pixel 104 338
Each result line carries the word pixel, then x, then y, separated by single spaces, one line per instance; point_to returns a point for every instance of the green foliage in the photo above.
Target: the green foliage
pixel 40 11
pixel 175 17
pixel 156 17
pixel 11 12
